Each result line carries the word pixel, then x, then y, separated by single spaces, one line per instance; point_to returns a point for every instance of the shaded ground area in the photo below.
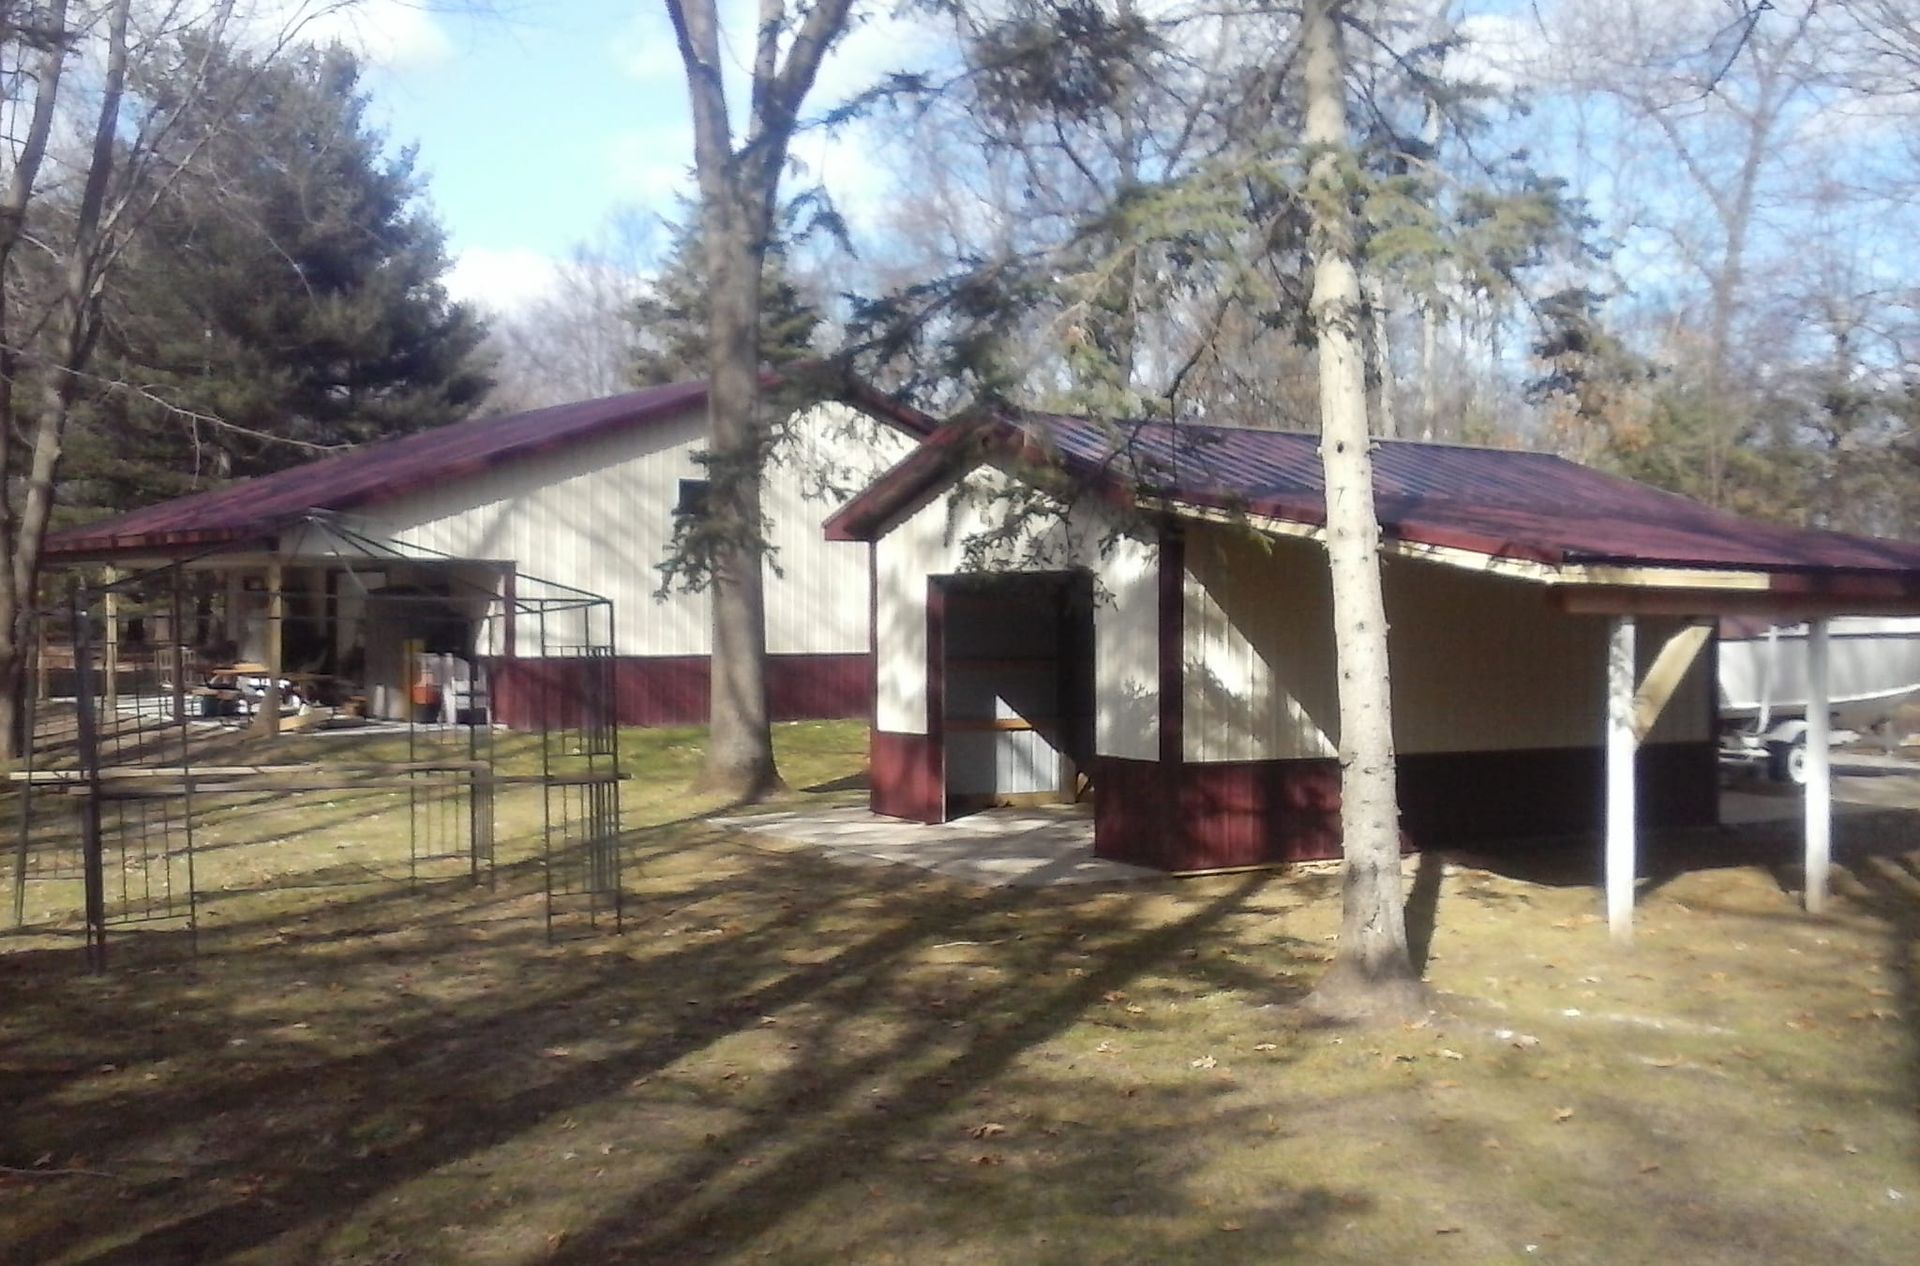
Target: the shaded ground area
pixel 790 1060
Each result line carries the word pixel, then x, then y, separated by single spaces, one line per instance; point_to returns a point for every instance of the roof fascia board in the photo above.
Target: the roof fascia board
pixel 1773 604
pixel 1559 574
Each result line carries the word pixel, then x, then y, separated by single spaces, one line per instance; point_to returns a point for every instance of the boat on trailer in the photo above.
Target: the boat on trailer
pixel 1873 667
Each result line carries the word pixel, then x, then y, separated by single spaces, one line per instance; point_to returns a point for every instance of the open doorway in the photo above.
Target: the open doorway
pixel 1017 696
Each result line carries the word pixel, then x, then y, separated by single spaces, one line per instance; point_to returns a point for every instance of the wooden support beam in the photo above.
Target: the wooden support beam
pixel 110 642
pixel 1668 670
pixel 266 721
pixel 1622 851
pixel 1819 791
pixel 1692 603
pixel 42 667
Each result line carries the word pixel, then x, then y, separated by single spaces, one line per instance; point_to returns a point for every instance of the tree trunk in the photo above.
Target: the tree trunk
pixel 1373 973
pixel 13 217
pixel 739 762
pixel 739 188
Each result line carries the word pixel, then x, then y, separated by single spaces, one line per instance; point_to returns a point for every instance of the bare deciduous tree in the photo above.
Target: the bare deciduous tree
pixel 577 339
pixel 738 177
pixel 137 89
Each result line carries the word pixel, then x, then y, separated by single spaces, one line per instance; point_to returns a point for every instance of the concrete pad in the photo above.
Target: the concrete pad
pixel 1862 782
pixel 1026 848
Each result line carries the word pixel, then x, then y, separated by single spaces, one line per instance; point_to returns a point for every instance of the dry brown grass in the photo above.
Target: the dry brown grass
pixel 788 1060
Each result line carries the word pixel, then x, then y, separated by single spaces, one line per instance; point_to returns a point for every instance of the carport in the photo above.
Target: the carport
pixel 1551 628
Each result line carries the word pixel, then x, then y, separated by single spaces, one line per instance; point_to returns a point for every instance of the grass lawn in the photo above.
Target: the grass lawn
pixel 789 1060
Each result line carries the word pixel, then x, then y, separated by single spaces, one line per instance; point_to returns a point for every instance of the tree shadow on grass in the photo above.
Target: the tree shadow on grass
pixel 1665 856
pixel 432 1052
pixel 1887 886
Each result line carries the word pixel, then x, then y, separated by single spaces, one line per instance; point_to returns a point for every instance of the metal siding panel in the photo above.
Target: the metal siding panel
pixel 1260 656
pixel 1483 663
pixel 1126 633
pixel 903 559
pixel 595 515
pixel 817 604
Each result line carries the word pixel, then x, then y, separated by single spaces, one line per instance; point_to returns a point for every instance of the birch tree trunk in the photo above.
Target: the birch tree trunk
pixel 1372 974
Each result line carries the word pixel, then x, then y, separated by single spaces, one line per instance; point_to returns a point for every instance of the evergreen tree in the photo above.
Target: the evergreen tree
pixel 671 317
pixel 287 301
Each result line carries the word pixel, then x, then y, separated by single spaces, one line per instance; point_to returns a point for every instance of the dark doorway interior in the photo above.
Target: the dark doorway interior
pixel 1018 694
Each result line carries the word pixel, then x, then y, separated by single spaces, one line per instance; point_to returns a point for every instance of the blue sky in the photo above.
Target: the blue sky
pixel 539 119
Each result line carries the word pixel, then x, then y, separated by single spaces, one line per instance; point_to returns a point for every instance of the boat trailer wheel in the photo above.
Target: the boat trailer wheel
pixel 1787 762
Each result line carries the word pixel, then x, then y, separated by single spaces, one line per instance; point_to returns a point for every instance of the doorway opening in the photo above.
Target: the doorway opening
pixel 1017 695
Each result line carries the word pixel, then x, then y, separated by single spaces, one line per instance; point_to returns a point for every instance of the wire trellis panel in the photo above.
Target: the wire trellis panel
pixel 136 731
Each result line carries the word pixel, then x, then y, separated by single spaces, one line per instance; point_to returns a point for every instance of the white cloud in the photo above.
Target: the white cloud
pixel 501 280
pixel 1501 51
pixel 652 167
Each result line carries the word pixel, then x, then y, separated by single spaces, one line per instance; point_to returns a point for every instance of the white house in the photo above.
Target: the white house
pixel 579 497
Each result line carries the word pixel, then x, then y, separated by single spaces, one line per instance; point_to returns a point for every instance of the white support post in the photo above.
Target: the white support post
pixel 1819 805
pixel 1621 842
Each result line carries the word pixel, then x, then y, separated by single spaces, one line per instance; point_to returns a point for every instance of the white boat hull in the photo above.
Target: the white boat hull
pixel 1873 668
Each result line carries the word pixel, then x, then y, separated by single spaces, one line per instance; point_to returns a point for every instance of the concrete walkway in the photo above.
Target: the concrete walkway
pixel 1862 783
pixel 1037 847
pixel 1025 848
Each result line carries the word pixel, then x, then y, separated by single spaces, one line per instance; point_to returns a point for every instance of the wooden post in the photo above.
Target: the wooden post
pixel 233 629
pixel 1819 803
pixel 268 722
pixel 110 649
pixel 177 650
pixel 1621 843
pixel 42 668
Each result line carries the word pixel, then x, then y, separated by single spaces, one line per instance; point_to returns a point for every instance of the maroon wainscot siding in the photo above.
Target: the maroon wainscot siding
pixel 673 689
pixel 1192 817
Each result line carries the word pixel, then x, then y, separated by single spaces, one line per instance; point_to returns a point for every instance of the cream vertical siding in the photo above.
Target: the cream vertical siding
pixel 933 542
pixel 598 515
pixel 1126 651
pixel 817 590
pixel 1480 663
pixel 1259 682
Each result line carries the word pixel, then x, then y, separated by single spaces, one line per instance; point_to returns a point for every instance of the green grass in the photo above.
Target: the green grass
pixel 788 1060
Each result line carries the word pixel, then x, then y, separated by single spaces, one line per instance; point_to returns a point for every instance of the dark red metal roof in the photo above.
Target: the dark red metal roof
pixel 1502 503
pixel 253 509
